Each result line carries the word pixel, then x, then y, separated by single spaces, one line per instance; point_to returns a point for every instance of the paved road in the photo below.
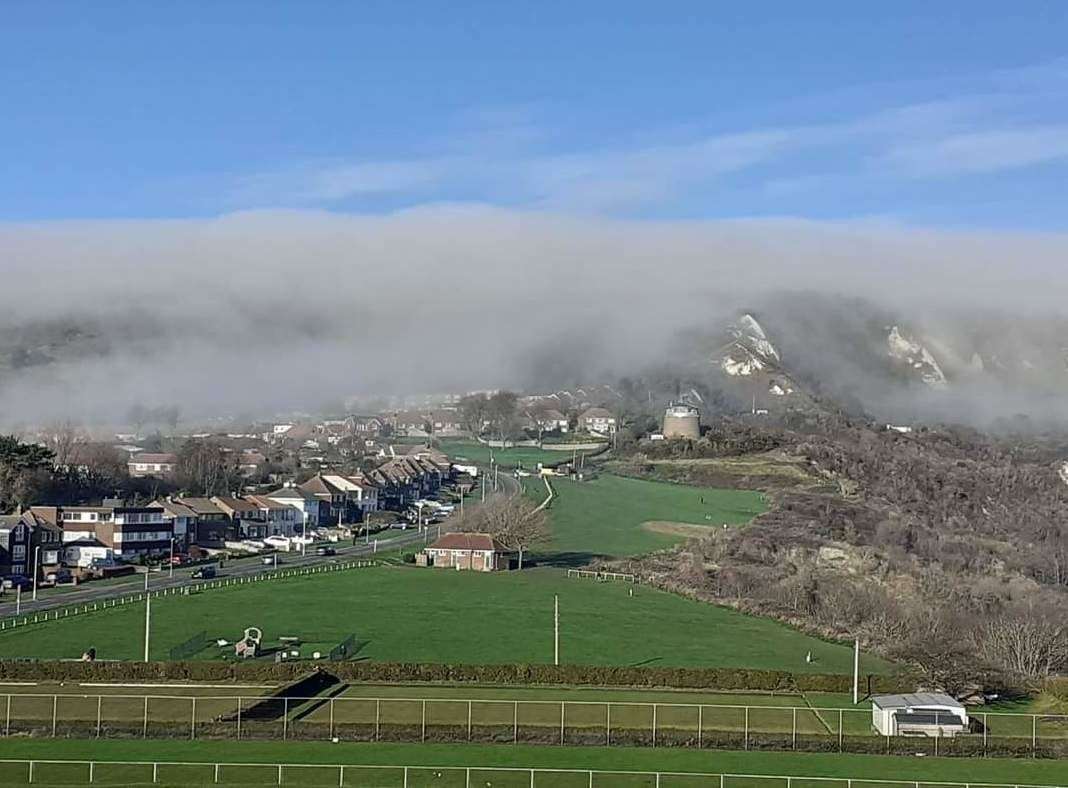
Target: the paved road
pixel 95 591
pixel 98 590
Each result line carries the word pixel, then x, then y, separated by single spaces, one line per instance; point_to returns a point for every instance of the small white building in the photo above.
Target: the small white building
pixel 918 714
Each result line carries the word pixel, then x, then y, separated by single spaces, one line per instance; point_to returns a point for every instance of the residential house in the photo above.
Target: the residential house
pixel 332 500
pixel 105 532
pixel 145 464
pixel 307 504
pixel 550 420
pixel 183 521
pixel 24 540
pixel 281 518
pixel 249 520
pixel 250 462
pixel 366 426
pixel 213 527
pixel 477 552
pixel 597 420
pixel 360 493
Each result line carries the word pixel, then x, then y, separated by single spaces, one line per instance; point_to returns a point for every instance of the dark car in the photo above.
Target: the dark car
pixel 204 573
pixel 325 551
pixel 59 576
pixel 18 581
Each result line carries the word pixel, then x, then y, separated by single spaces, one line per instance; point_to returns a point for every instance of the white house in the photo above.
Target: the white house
pixel 147 464
pixel 306 503
pixel 918 714
pixel 598 420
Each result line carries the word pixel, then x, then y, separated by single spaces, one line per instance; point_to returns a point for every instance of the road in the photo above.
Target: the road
pixel 98 590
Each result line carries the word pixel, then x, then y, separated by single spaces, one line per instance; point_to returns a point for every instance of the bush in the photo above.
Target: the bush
pixel 516 674
pixel 408 558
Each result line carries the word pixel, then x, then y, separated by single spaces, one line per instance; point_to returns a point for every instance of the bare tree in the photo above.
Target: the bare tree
pixel 517 523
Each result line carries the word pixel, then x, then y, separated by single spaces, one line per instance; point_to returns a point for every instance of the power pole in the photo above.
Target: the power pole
pixel 856 671
pixel 148 623
pixel 556 629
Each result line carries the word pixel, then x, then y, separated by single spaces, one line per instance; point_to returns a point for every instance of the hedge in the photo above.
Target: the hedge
pixel 574 675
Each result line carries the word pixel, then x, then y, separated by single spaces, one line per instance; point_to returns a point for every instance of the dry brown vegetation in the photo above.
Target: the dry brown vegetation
pixel 942 548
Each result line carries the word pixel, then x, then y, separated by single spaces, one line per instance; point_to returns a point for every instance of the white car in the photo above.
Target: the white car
pixel 278 542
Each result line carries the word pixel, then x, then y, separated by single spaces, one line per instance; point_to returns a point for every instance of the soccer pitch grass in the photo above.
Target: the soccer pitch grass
pixel 609 515
pixel 526 456
pixel 906 770
pixel 404 614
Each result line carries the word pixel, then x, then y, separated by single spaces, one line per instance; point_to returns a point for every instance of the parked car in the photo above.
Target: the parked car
pixel 278 542
pixel 179 558
pixel 204 573
pixel 325 551
pixel 59 576
pixel 271 560
pixel 18 581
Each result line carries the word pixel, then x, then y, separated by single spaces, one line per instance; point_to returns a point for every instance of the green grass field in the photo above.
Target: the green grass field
pixel 609 516
pixel 907 771
pixel 430 615
pixel 526 456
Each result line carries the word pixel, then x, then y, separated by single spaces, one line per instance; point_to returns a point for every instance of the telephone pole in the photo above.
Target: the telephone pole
pixel 856 671
pixel 556 629
pixel 148 623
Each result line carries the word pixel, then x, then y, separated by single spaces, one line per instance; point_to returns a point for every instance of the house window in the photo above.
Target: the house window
pixel 18 551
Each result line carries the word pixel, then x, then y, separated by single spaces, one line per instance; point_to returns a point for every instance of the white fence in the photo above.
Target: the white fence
pixel 73 772
pixel 591 574
pixel 497 720
pixel 56 614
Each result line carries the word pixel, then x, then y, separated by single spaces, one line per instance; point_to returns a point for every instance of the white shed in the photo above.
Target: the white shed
pixel 918 714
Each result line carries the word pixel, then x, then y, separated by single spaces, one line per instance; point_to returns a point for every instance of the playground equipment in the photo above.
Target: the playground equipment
pixel 249 646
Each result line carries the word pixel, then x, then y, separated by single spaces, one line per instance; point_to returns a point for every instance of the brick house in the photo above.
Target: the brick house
pixel 478 552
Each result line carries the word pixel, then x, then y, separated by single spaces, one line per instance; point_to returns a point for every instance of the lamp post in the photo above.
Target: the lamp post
pixel 304 536
pixel 170 571
pixel 36 569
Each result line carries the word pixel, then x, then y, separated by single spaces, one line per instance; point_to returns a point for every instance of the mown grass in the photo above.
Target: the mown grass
pixel 607 516
pixel 960 771
pixel 434 615
pixel 519 456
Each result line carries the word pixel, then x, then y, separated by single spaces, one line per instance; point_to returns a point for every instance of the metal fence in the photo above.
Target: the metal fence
pixel 70 772
pixel 596 575
pixel 55 614
pixel 594 723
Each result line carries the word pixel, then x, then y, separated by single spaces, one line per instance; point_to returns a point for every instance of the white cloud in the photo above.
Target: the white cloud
pixel 982 151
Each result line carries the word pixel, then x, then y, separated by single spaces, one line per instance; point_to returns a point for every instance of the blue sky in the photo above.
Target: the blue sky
pixel 931 113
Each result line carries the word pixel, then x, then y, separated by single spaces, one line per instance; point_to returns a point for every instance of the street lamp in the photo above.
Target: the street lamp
pixel 304 536
pixel 36 559
pixel 170 572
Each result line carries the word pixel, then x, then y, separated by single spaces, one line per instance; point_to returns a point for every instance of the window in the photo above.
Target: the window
pixel 18 551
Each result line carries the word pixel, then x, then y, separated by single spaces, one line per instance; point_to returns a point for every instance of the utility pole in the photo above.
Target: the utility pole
pixel 556 629
pixel 146 578
pixel 483 488
pixel 856 671
pixel 496 468
pixel 170 570
pixel 36 569
pixel 148 623
pixel 18 599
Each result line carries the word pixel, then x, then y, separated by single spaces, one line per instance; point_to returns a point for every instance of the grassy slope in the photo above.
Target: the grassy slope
pixel 426 615
pixel 528 456
pixel 832 765
pixel 605 516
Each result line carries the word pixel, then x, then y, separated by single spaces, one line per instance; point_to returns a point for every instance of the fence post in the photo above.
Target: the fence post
pixel 700 725
pixel 591 778
pixel 285 718
pixel 341 776
pixel 240 702
pixel 279 774
pixel 155 772
pixel 562 704
pixel 1034 735
pixel 531 778
pixel 840 731
pixel 30 780
pixel 99 705
pixel 608 724
pixel 193 720
pixel 746 727
pixel 55 704
pixel 91 771
pixel 144 721
pixel 469 733
pixel 793 730
pixel 986 727
pixel 654 724
pixel 7 721
pixel 216 776
pixel 422 728
pixel 515 723
pixel 405 777
pixel 378 710
pixel 331 718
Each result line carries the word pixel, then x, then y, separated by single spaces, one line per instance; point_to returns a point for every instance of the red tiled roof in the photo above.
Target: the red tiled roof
pixel 469 541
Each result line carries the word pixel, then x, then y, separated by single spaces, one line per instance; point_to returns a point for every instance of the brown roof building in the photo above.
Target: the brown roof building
pixel 478 552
